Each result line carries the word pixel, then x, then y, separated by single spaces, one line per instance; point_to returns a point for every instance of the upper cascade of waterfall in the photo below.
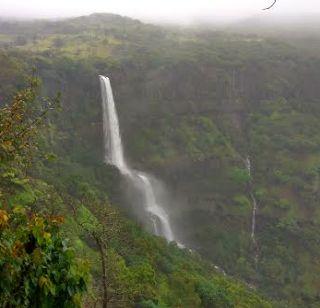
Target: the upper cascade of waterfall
pixel 114 156
pixel 112 138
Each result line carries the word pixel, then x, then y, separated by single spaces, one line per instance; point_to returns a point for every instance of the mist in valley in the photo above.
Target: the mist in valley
pixel 192 181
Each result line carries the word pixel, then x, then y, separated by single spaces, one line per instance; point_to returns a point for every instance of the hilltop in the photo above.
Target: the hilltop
pixel 194 104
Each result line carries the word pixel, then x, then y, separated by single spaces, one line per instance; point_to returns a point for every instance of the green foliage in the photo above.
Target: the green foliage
pixel 240 176
pixel 38 269
pixel 213 296
pixel 191 104
pixel 242 201
pixel 193 138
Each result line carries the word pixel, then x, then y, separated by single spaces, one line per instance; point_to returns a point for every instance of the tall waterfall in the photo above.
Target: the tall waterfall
pixel 114 156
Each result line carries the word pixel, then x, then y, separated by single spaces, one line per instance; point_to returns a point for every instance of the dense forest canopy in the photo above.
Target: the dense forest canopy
pixel 195 105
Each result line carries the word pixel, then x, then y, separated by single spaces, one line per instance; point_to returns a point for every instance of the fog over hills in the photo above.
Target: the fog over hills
pixel 177 11
pixel 222 117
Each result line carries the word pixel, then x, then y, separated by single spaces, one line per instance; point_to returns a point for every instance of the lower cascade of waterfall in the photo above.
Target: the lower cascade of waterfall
pixel 154 209
pixel 114 155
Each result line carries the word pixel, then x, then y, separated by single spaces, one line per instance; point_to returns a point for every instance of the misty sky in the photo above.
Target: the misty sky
pixel 168 10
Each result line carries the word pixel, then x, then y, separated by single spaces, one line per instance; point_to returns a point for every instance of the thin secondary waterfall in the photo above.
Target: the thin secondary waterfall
pixel 254 211
pixel 254 201
pixel 114 156
pixel 254 214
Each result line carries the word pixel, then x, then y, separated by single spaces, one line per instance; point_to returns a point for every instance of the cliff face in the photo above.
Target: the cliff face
pixel 193 105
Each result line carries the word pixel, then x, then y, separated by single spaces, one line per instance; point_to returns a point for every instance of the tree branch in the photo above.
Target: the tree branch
pixel 269 7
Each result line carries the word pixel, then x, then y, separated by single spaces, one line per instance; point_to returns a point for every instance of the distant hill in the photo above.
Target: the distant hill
pixel 195 105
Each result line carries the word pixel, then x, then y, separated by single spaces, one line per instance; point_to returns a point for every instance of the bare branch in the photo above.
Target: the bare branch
pixel 269 7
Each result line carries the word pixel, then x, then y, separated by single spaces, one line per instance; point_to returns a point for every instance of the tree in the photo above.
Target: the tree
pixel 101 225
pixel 37 267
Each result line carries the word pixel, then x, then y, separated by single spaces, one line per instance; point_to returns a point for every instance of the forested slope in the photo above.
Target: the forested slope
pixel 194 105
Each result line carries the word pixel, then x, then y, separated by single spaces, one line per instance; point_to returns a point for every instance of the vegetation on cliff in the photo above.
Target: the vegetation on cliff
pixel 193 105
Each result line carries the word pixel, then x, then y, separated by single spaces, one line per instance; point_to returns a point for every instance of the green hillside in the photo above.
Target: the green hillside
pixel 194 104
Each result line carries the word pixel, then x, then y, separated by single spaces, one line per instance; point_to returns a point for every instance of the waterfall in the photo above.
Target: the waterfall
pixel 156 211
pixel 254 214
pixel 254 201
pixel 113 152
pixel 254 211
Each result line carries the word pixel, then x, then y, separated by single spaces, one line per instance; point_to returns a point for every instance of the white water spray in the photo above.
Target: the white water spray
pixel 114 156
